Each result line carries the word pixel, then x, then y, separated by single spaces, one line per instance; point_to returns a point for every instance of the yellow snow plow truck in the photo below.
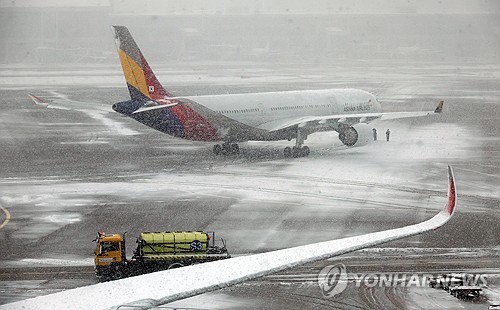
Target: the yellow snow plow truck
pixel 155 251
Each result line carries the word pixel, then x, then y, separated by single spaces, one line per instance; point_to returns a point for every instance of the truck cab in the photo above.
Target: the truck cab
pixel 110 249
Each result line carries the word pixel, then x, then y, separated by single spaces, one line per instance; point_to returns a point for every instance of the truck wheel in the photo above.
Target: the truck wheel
pixel 117 271
pixel 118 274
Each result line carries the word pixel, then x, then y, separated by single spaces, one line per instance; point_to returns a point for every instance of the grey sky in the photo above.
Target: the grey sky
pixel 272 6
pixel 322 31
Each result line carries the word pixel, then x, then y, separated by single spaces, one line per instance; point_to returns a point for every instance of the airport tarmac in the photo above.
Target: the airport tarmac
pixel 65 175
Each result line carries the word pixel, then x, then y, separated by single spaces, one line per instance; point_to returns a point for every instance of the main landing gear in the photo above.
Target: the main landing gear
pixel 298 150
pixel 226 148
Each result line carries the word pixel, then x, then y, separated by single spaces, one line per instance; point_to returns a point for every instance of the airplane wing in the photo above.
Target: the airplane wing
pixel 348 119
pixel 167 286
pixel 64 104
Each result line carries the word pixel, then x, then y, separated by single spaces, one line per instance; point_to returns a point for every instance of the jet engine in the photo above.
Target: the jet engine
pixel 356 135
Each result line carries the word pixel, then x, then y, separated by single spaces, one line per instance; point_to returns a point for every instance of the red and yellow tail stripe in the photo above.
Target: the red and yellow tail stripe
pixel 179 120
pixel 141 80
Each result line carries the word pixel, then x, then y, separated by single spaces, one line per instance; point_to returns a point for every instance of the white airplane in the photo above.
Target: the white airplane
pixel 164 287
pixel 233 118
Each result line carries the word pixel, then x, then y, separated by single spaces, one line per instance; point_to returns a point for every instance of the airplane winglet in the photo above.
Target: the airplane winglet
pixel 452 193
pixel 439 108
pixel 38 101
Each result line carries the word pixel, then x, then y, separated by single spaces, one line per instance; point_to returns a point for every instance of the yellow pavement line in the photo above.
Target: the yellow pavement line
pixel 7 217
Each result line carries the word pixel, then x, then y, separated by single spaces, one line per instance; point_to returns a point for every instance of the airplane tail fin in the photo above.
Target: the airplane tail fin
pixel 141 81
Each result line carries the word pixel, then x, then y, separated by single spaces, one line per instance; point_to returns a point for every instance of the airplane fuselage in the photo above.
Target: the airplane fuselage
pixel 264 116
pixel 262 109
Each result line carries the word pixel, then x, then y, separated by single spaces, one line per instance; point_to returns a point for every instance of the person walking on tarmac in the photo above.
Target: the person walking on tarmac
pixel 387 134
pixel 374 134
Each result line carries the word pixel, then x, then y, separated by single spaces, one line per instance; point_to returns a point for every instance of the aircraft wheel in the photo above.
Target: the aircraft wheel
pixel 217 149
pixel 225 149
pixel 296 152
pixel 235 149
pixel 287 152
pixel 305 151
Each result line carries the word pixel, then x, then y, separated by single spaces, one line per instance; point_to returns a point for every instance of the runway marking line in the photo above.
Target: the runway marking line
pixel 7 217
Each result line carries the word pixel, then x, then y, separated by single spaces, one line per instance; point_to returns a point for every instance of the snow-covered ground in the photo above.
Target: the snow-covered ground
pixel 335 192
pixel 382 175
